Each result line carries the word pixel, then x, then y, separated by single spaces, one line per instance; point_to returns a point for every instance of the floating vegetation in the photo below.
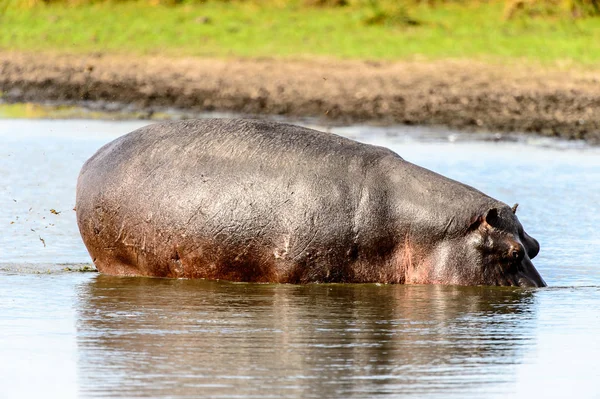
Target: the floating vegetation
pixel 81 269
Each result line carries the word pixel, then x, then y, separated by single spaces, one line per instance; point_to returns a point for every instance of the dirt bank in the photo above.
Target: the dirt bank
pixel 458 94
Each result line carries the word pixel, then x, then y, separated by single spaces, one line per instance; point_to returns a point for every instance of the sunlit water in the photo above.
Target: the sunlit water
pixel 86 335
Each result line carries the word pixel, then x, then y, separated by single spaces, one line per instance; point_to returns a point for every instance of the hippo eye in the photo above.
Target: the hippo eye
pixel 516 255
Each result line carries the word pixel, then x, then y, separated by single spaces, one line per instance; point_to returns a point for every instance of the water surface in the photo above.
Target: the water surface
pixel 65 334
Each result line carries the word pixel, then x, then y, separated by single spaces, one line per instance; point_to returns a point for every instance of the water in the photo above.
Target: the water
pixel 65 334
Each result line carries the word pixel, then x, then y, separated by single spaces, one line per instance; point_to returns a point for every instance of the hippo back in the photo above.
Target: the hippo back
pixel 235 199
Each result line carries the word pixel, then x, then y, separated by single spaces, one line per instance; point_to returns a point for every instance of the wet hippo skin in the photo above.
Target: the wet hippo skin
pixel 249 200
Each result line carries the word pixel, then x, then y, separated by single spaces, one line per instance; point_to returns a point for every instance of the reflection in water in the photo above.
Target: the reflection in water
pixel 154 337
pixel 140 337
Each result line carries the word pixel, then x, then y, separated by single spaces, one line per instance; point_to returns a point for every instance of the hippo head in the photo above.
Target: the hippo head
pixel 493 250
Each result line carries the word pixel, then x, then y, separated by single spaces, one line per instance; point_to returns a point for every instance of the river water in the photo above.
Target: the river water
pixel 70 334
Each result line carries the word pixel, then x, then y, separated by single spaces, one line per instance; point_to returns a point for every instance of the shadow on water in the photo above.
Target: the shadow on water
pixel 154 337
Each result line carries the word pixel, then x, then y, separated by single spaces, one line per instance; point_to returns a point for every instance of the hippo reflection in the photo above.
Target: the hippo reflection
pixel 259 201
pixel 175 338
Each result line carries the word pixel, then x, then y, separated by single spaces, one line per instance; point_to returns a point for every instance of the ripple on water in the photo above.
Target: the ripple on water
pixel 88 335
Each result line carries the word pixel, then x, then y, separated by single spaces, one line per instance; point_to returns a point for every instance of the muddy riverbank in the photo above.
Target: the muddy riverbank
pixel 458 94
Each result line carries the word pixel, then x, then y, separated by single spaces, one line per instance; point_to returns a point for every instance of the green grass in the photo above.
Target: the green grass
pixel 44 111
pixel 29 110
pixel 239 29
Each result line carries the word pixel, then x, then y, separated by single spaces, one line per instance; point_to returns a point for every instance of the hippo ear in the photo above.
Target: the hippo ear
pixel 514 208
pixel 492 218
pixel 489 219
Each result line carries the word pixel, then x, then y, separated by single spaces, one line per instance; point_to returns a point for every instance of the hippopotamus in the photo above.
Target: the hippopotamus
pixel 260 201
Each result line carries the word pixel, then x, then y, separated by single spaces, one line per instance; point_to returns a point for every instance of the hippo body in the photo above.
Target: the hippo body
pixel 259 201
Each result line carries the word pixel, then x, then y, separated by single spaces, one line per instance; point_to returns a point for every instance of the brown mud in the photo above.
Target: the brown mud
pixel 457 94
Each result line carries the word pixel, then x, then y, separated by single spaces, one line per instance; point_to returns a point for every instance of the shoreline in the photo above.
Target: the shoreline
pixel 459 94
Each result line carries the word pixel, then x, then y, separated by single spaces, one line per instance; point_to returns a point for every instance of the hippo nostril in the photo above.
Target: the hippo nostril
pixel 533 249
pixel 532 246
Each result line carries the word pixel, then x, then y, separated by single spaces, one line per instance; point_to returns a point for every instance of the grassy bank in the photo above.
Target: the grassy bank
pixel 249 29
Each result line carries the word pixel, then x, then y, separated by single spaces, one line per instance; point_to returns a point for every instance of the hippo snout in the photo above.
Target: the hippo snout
pixel 526 281
pixel 531 244
pixel 529 276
